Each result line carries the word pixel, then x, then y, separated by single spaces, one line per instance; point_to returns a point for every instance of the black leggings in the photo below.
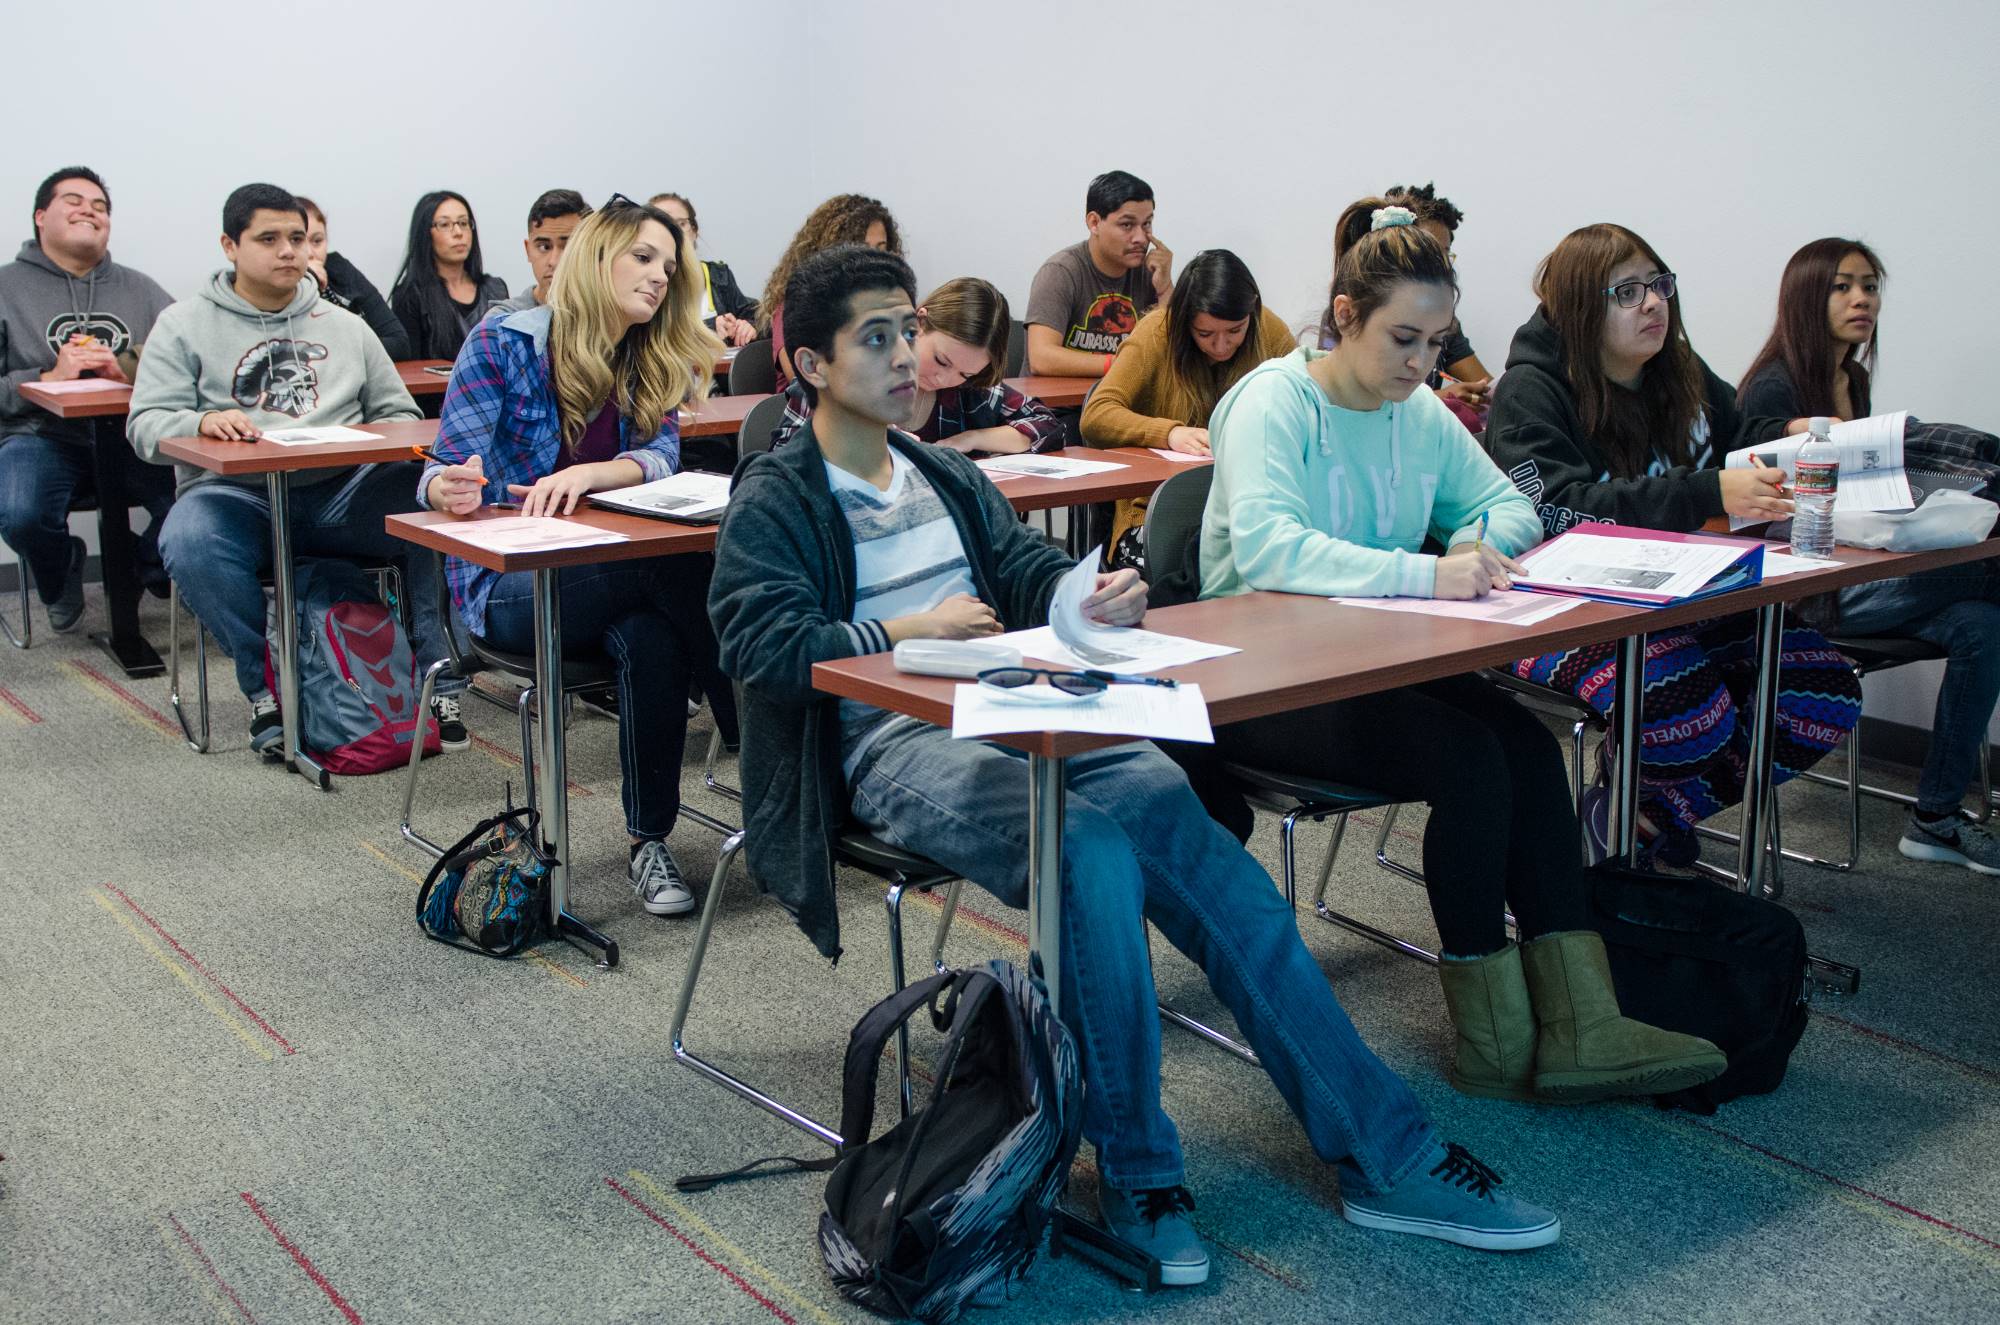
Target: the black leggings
pixel 1502 830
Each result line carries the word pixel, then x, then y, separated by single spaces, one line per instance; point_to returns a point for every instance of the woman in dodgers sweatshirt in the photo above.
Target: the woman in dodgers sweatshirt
pixel 1331 468
pixel 1606 413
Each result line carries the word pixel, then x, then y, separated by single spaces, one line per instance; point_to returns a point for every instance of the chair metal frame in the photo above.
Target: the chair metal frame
pixel 26 639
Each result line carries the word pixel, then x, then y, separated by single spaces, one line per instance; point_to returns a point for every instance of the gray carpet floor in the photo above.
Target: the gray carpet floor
pixel 236 1085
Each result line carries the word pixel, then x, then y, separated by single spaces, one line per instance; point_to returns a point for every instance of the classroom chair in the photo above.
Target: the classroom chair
pixel 758 425
pixel 1017 348
pixel 754 371
pixel 1173 542
pixel 83 501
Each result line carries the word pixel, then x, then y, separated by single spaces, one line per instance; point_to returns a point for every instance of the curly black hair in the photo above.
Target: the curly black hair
pixel 1424 201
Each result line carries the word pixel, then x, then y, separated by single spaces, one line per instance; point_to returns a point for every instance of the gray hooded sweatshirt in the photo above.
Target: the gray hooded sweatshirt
pixel 42 306
pixel 309 363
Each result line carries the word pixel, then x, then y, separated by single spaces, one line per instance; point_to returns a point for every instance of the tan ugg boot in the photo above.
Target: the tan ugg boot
pixel 1586 1050
pixel 1488 1001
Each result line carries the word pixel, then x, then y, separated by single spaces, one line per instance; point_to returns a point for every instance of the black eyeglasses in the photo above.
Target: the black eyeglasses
pixel 620 200
pixel 1085 682
pixel 1630 294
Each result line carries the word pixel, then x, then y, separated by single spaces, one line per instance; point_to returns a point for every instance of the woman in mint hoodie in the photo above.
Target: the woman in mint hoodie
pixel 1332 468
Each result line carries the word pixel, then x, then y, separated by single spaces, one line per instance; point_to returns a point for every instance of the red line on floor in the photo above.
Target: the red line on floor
pixel 1910 1046
pixel 304 1263
pixel 208 1266
pixel 132 701
pixel 191 960
pixel 985 922
pixel 13 701
pixel 1253 1260
pixel 698 1250
pixel 1845 1185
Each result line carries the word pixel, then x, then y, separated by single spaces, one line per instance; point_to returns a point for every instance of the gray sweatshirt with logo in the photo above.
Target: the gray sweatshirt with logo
pixel 308 364
pixel 42 306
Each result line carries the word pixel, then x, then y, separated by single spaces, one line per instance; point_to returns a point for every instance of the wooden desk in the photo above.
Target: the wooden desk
pixel 1141 472
pixel 99 400
pixel 419 379
pixel 1055 392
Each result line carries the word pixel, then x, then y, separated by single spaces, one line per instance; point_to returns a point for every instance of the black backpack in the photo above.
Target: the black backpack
pixel 959 1194
pixel 1693 956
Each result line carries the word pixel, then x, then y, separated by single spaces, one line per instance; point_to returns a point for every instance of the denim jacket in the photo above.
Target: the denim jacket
pixel 501 406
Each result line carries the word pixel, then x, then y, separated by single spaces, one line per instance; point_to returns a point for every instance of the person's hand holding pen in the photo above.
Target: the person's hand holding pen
pixel 1474 569
pixel 1756 494
pixel 456 489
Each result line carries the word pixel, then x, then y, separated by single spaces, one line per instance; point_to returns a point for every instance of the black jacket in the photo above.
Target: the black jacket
pixel 348 288
pixel 727 296
pixel 436 327
pixel 1535 436
pixel 782 599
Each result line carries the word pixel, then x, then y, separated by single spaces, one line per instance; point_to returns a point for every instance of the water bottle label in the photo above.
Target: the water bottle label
pixel 1816 479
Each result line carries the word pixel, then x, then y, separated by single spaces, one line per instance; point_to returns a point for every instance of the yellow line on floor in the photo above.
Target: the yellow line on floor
pixel 182 974
pixel 534 957
pixel 193 1271
pixel 748 1262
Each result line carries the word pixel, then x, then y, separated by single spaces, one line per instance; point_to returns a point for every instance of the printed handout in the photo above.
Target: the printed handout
pixel 1871 463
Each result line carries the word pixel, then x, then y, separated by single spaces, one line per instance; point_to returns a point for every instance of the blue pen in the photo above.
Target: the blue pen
pixel 1484 516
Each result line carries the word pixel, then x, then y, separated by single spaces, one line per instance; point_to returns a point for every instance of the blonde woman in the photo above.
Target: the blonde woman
pixel 573 397
pixel 960 401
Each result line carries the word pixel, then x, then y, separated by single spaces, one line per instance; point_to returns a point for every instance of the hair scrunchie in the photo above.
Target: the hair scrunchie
pixel 1385 218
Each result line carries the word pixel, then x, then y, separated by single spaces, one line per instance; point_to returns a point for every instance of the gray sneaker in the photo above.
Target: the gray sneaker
pixel 65 612
pixel 1156 1222
pixel 657 880
pixel 1954 841
pixel 1453 1198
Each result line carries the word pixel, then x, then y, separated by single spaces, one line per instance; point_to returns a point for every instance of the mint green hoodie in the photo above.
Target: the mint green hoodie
pixel 311 363
pixel 1312 498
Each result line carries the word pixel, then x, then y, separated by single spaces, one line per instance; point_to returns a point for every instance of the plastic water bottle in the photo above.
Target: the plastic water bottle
pixel 1813 488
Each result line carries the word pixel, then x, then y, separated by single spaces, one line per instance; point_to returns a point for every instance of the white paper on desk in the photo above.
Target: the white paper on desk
pixel 1094 644
pixel 1871 464
pixel 527 533
pixel 1506 607
pixel 1042 466
pixel 1784 563
pixel 313 436
pixel 1176 714
pixel 1140 650
pixel 1180 457
pixel 77 384
pixel 690 494
pixel 1594 563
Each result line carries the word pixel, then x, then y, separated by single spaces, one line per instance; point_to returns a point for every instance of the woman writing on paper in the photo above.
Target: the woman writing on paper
pixel 1179 360
pixel 1820 361
pixel 1606 412
pixel 573 397
pixel 1331 469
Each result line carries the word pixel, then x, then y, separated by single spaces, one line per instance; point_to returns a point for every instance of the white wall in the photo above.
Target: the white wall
pixel 1726 134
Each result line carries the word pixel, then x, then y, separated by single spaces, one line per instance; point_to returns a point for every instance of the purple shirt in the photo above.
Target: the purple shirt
pixel 598 443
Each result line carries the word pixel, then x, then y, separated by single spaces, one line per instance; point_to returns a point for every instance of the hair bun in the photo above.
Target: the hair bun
pixel 1385 218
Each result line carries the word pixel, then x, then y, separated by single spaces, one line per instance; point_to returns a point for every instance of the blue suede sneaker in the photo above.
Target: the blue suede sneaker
pixel 1156 1222
pixel 1453 1197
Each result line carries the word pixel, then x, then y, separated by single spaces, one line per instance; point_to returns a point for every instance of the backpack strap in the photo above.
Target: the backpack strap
pixel 864 1051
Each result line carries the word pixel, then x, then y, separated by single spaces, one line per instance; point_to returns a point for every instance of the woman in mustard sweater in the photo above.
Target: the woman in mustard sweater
pixel 1180 360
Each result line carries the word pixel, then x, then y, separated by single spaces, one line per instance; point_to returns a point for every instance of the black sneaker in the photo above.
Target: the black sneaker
pixel 66 611
pixel 452 734
pixel 267 725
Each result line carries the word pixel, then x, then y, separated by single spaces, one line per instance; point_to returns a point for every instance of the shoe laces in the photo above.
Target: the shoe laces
pixel 1461 1168
pixel 1157 1203
pixel 446 707
pixel 263 706
pixel 657 868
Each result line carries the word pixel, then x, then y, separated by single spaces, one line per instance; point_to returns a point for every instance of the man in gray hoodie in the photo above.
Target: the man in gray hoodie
pixel 260 348
pixel 66 311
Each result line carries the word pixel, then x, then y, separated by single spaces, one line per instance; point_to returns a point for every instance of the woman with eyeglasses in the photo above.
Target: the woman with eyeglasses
pixel 1605 412
pixel 552 403
pixel 443 289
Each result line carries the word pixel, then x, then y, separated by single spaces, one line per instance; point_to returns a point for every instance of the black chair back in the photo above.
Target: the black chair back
pixel 753 372
pixel 1173 536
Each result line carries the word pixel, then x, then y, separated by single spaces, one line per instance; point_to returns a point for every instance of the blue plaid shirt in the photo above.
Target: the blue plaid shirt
pixel 501 407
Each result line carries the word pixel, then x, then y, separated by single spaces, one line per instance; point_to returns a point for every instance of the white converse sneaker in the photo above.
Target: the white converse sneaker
pixel 657 880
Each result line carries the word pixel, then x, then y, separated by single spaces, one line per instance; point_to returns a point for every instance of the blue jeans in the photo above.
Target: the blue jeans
pixel 1138 846
pixel 216 542
pixel 650 618
pixel 39 480
pixel 1958 609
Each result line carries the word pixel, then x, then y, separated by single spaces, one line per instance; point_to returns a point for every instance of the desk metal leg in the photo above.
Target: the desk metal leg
pixel 553 797
pixel 1624 736
pixel 1751 856
pixel 118 558
pixel 297 760
pixel 1069 1233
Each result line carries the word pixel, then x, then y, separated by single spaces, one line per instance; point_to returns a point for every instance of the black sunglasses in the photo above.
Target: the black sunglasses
pixel 1085 682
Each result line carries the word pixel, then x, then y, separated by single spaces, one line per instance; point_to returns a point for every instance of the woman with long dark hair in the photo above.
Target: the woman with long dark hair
pixel 582 394
pixel 1820 360
pixel 443 289
pixel 1333 470
pixel 1173 368
pixel 1607 413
